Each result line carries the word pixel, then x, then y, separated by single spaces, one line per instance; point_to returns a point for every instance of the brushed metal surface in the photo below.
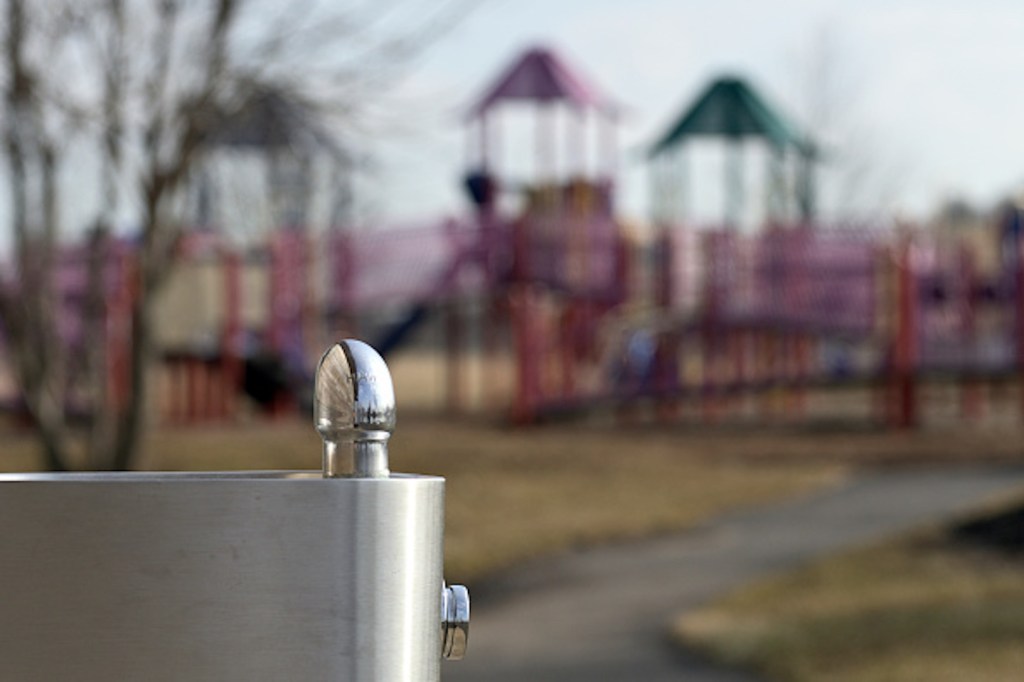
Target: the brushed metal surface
pixel 220 577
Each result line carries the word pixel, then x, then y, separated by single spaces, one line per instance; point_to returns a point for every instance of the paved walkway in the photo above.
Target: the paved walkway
pixel 602 614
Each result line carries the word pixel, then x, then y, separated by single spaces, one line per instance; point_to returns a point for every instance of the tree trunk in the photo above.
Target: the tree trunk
pixel 97 370
pixel 50 425
pixel 132 420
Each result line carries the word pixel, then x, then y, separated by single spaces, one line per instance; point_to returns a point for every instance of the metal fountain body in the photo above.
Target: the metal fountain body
pixel 281 575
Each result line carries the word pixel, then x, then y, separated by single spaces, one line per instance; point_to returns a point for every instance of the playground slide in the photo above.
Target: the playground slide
pixel 393 337
pixel 396 334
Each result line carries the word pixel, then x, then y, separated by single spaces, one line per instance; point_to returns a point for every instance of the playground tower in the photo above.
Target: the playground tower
pixel 731 111
pixel 555 263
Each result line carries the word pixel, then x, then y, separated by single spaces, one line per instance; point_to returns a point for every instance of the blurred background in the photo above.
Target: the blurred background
pixel 636 268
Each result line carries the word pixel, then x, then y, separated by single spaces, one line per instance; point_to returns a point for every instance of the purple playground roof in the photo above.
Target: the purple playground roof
pixel 541 75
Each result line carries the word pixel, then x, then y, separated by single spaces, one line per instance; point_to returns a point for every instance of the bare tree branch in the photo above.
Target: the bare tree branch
pixel 145 82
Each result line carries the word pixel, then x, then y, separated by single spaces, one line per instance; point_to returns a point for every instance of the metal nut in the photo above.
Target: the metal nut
pixel 454 622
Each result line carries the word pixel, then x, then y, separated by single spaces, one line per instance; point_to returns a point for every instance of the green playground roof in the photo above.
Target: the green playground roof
pixel 731 108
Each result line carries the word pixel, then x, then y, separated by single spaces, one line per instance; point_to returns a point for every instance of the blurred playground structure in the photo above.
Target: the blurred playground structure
pixel 562 308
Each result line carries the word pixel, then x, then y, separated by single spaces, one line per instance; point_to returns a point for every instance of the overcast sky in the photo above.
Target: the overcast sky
pixel 926 95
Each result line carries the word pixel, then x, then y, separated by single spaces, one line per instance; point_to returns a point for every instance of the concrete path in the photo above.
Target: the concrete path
pixel 602 614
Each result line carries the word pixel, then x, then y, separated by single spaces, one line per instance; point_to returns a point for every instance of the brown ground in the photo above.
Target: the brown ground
pixel 937 604
pixel 515 493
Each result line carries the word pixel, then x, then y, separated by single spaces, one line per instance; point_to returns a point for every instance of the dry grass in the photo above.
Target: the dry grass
pixel 914 609
pixel 512 494
pixel 516 494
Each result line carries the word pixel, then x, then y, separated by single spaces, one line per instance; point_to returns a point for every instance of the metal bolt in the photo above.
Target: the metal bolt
pixel 454 622
pixel 354 410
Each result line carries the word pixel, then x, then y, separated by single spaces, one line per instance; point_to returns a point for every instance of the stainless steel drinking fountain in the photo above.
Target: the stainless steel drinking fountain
pixel 216 577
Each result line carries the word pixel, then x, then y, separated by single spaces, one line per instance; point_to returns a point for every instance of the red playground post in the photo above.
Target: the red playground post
pixel 1019 314
pixel 904 357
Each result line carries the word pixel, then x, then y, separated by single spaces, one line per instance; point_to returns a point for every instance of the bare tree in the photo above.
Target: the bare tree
pixel 146 81
pixel 859 174
pixel 32 142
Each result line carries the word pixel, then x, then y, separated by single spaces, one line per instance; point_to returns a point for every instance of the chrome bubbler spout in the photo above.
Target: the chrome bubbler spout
pixel 354 410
